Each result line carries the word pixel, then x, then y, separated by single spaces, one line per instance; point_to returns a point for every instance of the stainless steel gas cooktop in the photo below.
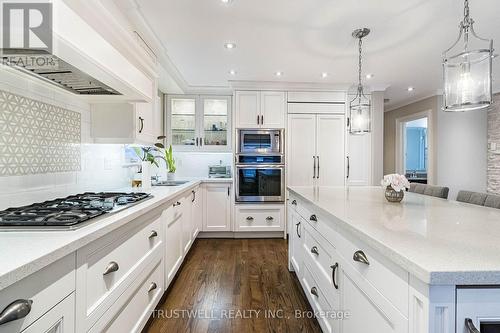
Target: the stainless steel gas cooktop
pixel 69 212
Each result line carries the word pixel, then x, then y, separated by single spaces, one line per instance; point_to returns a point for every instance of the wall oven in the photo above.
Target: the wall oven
pixel 260 141
pixel 260 182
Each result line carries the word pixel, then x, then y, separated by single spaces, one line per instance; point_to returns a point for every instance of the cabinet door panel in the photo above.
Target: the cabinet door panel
pixel 217 207
pixel 301 149
pixel 368 308
pixel 247 109
pixel 330 150
pixel 60 319
pixel 197 211
pixel 215 122
pixel 359 152
pixel 182 117
pixel 173 246
pixel 273 109
pixel 296 233
pixel 187 222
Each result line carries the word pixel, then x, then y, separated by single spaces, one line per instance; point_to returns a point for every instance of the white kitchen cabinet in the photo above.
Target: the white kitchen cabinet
pixel 315 150
pixel 174 249
pixel 295 244
pixel 260 109
pixel 199 122
pixel 60 319
pixel 126 122
pixel 197 210
pixel 217 207
pixel 187 222
pixel 359 160
pixel 254 218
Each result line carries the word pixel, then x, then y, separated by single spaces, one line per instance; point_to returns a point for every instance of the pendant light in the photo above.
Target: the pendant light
pixel 360 105
pixel 467 69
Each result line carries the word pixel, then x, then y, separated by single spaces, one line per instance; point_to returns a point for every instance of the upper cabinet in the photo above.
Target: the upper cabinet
pixel 260 109
pixel 199 123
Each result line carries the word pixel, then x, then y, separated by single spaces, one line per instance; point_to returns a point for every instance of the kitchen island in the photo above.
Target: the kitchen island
pixel 423 265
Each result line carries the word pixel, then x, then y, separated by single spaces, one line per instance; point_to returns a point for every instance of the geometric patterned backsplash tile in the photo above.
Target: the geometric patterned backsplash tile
pixel 37 137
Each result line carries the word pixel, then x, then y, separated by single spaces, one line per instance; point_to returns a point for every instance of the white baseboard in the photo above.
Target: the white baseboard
pixel 230 234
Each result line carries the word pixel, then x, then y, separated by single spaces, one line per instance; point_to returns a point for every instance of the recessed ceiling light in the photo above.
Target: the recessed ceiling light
pixel 232 72
pixel 230 45
pixel 410 89
pixel 278 73
pixel 324 75
pixel 369 76
pixel 226 1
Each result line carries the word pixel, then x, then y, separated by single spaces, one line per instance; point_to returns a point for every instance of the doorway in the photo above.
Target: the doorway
pixel 413 147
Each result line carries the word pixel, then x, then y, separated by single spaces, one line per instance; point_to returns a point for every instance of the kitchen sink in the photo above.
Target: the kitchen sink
pixel 171 183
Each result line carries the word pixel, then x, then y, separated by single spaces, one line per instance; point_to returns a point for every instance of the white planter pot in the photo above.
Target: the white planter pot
pixel 171 176
pixel 146 175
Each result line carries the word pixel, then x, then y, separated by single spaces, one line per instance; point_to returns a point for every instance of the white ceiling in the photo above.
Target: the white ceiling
pixel 303 38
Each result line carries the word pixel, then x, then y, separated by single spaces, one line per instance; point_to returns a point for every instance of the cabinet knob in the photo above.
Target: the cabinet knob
pixel 269 218
pixel 469 325
pixel 313 218
pixel 112 267
pixel 153 234
pixel 314 250
pixel 294 202
pixel 314 291
pixel 249 218
pixel 152 287
pixel 177 204
pixel 16 310
pixel 361 257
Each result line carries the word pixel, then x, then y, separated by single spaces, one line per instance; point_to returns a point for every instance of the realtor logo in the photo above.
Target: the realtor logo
pixel 26 26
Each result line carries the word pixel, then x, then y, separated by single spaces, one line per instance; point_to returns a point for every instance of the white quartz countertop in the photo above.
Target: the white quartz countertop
pixel 439 241
pixel 25 252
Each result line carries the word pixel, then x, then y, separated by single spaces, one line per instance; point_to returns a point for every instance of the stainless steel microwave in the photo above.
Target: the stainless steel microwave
pixel 260 141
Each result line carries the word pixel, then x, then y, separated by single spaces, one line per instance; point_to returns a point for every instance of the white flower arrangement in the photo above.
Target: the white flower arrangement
pixel 396 181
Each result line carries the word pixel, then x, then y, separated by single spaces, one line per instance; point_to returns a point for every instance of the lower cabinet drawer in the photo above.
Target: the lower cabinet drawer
pixel 323 262
pixel 107 266
pixel 40 292
pixel 325 312
pixel 386 277
pixel 260 218
pixel 134 307
pixel 60 319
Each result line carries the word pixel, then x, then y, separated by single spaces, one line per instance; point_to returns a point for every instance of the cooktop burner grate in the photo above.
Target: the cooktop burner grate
pixel 69 211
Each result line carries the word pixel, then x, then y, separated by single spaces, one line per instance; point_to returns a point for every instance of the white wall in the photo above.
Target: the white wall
pixel 462 151
pixel 101 165
pixel 377 137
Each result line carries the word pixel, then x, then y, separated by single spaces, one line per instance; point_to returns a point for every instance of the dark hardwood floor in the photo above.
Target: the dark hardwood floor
pixel 248 276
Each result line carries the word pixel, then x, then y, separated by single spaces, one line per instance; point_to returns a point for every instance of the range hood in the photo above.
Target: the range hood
pixel 54 70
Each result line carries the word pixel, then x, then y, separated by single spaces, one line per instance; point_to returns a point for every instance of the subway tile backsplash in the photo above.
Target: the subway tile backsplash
pixel 37 137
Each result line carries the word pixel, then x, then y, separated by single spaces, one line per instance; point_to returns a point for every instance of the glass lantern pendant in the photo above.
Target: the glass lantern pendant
pixel 467 69
pixel 360 106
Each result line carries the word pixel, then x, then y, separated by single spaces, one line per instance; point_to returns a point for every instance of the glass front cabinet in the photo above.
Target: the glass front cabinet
pixel 199 122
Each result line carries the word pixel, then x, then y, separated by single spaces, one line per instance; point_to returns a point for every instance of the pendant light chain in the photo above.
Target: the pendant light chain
pixel 360 86
pixel 466 13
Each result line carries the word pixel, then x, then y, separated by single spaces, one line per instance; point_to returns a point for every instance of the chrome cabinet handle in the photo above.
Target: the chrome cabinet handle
pixel 142 124
pixel 262 120
pixel 153 234
pixel 269 218
pixel 314 291
pixel 197 141
pixel 249 218
pixel 469 325
pixel 16 310
pixel 317 168
pixel 294 202
pixel 258 120
pixel 348 166
pixel 313 218
pixel 194 196
pixel 360 256
pixel 334 269
pixel 314 167
pixel 297 225
pixel 177 204
pixel 112 267
pixel 314 250
pixel 152 287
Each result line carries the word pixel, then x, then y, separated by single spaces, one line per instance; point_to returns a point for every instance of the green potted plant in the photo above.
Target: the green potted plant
pixel 148 158
pixel 169 158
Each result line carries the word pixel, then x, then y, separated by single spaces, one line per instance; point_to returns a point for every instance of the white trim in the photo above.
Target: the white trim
pixel 399 149
pixel 408 102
